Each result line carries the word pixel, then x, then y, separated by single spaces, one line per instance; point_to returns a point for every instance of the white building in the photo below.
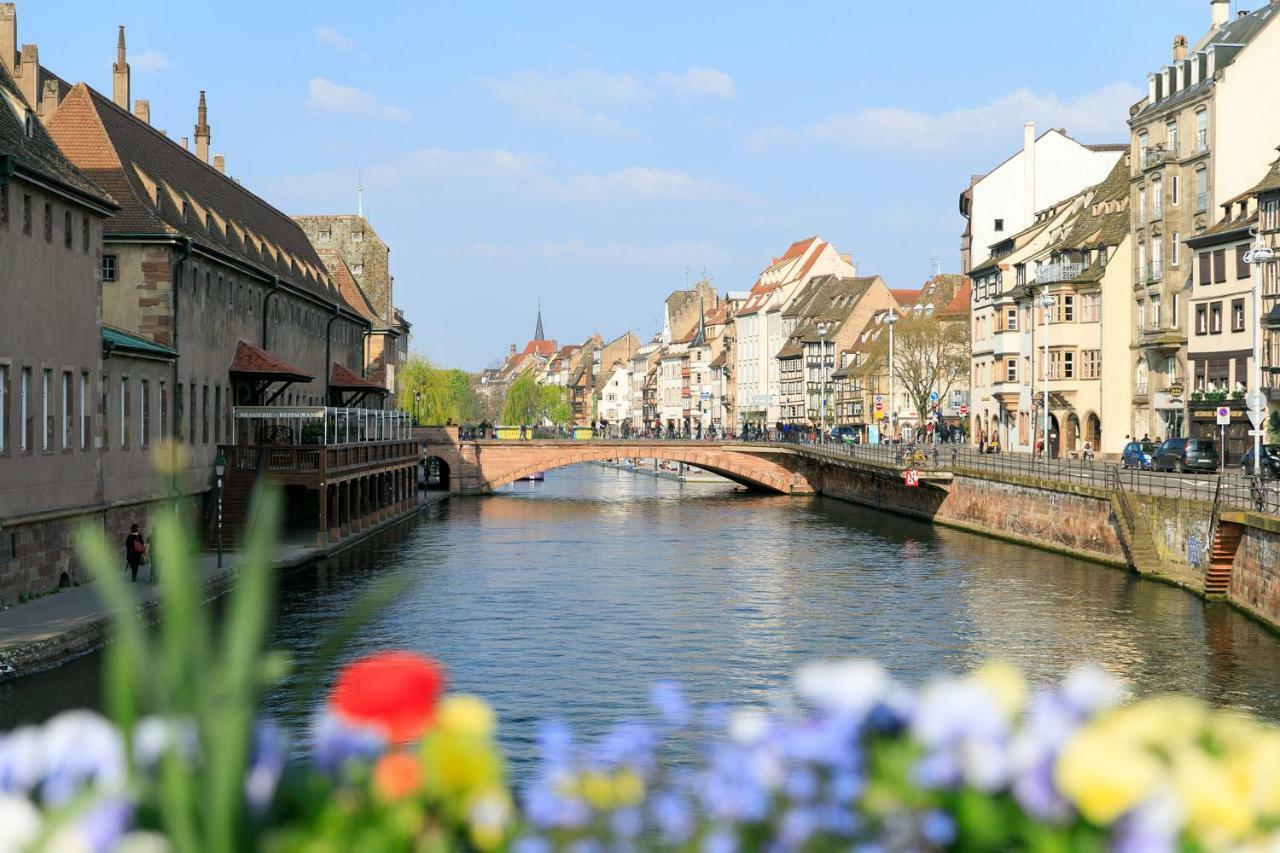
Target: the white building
pixel 615 398
pixel 759 327
pixel 1045 170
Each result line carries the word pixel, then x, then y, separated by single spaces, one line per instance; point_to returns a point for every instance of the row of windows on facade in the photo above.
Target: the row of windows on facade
pixel 1170 147
pixel 1155 212
pixel 243 297
pixel 1063 364
pixel 1064 310
pixel 28 217
pixel 61 397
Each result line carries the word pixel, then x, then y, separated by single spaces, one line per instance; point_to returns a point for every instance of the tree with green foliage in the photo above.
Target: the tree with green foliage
pixel 556 405
pixel 524 402
pixel 431 393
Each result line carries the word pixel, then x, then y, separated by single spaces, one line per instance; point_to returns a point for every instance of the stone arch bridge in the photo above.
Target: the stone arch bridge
pixel 479 467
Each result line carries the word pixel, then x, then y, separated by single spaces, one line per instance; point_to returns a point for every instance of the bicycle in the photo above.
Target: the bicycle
pixel 1259 489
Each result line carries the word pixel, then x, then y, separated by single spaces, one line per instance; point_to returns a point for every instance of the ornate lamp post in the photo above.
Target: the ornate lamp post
pixel 891 319
pixel 1046 302
pixel 219 470
pixel 417 399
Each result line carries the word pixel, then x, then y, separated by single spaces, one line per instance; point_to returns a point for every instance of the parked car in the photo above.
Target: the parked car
pixel 1270 461
pixel 1137 454
pixel 843 433
pixel 1186 454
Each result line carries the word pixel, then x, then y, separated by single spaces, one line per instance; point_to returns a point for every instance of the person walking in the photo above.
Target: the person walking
pixel 134 547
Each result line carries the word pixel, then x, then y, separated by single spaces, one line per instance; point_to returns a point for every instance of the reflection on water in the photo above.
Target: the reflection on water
pixel 570 597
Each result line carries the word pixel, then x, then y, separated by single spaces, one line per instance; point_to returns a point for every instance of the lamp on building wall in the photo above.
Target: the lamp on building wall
pixel 1046 302
pixel 219 470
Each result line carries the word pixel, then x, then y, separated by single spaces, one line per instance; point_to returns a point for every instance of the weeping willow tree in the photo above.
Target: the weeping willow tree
pixel 532 404
pixel 430 393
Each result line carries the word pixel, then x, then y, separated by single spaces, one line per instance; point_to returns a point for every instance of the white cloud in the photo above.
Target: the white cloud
pixel 644 183
pixel 1100 113
pixel 513 177
pixel 326 96
pixel 576 252
pixel 700 81
pixel 332 37
pixel 149 61
pixel 579 99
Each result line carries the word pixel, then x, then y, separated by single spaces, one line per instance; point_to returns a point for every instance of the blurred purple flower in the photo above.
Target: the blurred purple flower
pixel 21 765
pixel 674 819
pixel 938 828
pixel 80 749
pixel 720 840
pixel 335 742
pixel 104 824
pixel 669 699
pixel 531 844
pixel 627 823
pixel 266 763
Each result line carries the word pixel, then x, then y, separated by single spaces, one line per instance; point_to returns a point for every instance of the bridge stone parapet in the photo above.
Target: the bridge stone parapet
pixel 479 467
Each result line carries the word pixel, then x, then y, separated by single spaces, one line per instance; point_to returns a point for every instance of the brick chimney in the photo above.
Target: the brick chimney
pixel 220 163
pixel 28 74
pixel 185 140
pixel 142 109
pixel 1179 48
pixel 8 36
pixel 1221 12
pixel 202 130
pixel 120 75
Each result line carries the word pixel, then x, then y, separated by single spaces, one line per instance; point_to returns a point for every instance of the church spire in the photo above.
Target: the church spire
pixel 537 333
pixel 700 337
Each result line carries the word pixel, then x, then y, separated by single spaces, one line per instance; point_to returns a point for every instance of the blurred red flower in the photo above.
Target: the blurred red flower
pixel 393 692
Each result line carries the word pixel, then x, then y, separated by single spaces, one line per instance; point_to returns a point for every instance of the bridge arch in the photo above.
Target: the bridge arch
pixel 479 467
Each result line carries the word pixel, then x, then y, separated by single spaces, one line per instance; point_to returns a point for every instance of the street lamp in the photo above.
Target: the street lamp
pixel 1046 302
pixel 891 319
pixel 219 470
pixel 822 367
pixel 417 398
pixel 1257 255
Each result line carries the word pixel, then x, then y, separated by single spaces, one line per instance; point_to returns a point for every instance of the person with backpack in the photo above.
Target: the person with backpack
pixel 134 548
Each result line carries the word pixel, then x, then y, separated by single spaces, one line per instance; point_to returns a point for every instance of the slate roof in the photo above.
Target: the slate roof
pixel 826 299
pixel 1231 37
pixel 1270 182
pixel 38 156
pixel 154 180
pixel 255 361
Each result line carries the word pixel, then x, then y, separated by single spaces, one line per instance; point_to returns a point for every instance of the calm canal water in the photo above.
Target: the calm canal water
pixel 570 598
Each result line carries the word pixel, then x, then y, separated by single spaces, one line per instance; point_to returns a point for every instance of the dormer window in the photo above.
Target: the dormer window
pixel 358 269
pixel 324 236
pixel 29 125
pixel 357 236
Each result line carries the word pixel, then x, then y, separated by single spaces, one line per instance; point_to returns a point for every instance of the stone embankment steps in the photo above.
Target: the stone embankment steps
pixel 1226 541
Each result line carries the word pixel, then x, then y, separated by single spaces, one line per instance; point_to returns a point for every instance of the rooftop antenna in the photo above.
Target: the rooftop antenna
pixel 686 278
pixel 936 262
pixel 359 195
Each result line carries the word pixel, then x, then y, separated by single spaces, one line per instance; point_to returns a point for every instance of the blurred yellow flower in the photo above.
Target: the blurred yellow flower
pixel 628 787
pixel 1166 722
pixel 1105 775
pixel 1005 683
pixel 489 815
pixel 597 789
pixel 457 765
pixel 1216 801
pixel 465 715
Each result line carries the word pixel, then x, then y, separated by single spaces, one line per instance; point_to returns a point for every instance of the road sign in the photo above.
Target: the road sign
pixel 964 410
pixel 879 405
pixel 1256 401
pixel 912 477
pixel 1224 416
pixel 1256 417
pixel 1260 433
pixel 933 396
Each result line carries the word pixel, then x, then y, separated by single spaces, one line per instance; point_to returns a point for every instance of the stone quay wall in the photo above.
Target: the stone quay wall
pixel 1255 575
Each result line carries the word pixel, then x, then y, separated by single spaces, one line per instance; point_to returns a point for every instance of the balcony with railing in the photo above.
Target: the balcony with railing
pixel 1155 271
pixel 1155 157
pixel 1202 141
pixel 1053 273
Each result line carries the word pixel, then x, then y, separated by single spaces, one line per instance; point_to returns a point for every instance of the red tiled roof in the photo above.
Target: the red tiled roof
pixel 959 303
pixel 906 298
pixel 348 287
pixel 154 179
pixel 347 380
pixel 540 348
pixel 255 360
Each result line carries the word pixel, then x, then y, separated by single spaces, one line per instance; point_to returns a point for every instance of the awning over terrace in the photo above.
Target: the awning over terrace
pixel 255 368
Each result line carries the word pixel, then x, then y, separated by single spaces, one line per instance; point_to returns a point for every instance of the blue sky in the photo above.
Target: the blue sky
pixel 589 153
